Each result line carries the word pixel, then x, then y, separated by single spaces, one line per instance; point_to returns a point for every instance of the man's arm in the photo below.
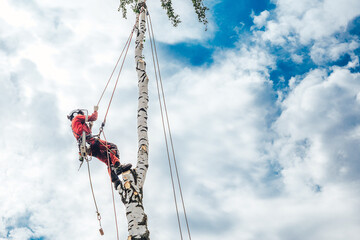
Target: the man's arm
pixel 93 117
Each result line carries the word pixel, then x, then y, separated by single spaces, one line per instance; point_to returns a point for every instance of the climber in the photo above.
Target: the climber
pixel 98 148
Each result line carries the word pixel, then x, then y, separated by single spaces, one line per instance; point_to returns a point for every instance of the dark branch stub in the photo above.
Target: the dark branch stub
pixel 199 7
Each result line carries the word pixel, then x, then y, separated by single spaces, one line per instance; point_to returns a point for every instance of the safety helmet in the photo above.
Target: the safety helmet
pixel 73 112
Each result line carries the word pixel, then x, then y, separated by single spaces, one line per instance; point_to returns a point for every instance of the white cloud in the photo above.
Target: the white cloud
pixel 303 23
pixel 297 58
pixel 252 166
pixel 261 19
pixel 331 49
pixel 11 16
pixel 318 117
pixel 310 20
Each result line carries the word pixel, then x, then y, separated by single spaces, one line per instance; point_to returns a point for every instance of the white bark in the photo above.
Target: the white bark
pixel 143 144
pixel 131 188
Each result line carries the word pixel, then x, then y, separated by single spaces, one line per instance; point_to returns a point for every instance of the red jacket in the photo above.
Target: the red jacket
pixel 78 124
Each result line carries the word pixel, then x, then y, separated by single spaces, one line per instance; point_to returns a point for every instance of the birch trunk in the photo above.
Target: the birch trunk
pixel 131 186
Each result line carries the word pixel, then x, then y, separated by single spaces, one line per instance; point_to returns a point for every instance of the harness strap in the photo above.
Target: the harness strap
pixel 79 136
pixel 76 134
pixel 83 145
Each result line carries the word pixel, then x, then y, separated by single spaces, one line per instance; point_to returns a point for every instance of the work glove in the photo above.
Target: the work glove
pixel 96 108
pixel 81 158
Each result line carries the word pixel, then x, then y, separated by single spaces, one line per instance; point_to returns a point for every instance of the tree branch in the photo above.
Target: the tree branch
pixel 167 5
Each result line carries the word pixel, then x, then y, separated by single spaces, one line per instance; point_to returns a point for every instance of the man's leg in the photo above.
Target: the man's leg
pixel 113 152
pixel 96 151
pixel 111 149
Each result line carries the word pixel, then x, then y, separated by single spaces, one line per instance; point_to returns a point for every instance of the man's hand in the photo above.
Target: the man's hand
pixel 81 158
pixel 96 108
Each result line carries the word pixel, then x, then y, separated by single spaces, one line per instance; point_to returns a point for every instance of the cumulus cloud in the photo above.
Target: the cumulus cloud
pixel 309 20
pixel 318 117
pixel 320 24
pixel 254 165
pixel 332 49
pixel 261 19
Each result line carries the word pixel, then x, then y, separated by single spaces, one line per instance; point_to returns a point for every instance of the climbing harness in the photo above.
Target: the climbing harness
pixel 84 148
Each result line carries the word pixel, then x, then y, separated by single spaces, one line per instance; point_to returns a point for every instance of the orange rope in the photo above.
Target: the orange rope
pixel 117 79
pixel 112 190
pixel 127 45
pixel 102 94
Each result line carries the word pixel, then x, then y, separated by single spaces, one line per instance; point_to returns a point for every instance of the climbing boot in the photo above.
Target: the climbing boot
pixel 114 179
pixel 117 164
pixel 123 168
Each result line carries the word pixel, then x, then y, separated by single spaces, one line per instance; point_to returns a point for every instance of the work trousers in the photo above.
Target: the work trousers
pixel 104 151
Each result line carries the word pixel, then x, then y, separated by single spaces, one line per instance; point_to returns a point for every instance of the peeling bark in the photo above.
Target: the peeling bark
pixel 131 186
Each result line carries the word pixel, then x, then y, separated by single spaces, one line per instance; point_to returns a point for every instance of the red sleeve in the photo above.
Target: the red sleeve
pixel 77 125
pixel 80 118
pixel 93 116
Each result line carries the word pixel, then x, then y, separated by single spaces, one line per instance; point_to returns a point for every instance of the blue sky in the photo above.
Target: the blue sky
pixel 264 109
pixel 232 18
pixel 233 24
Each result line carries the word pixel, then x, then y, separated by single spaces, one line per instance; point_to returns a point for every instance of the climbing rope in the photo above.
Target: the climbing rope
pixel 126 48
pixel 117 62
pixel 166 141
pixel 163 99
pixel 117 79
pixel 112 190
pixel 92 191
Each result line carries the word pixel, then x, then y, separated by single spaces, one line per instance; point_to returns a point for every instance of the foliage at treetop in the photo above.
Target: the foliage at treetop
pixel 200 10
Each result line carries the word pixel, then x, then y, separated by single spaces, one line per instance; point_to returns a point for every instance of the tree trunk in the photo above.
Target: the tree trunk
pixel 131 186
